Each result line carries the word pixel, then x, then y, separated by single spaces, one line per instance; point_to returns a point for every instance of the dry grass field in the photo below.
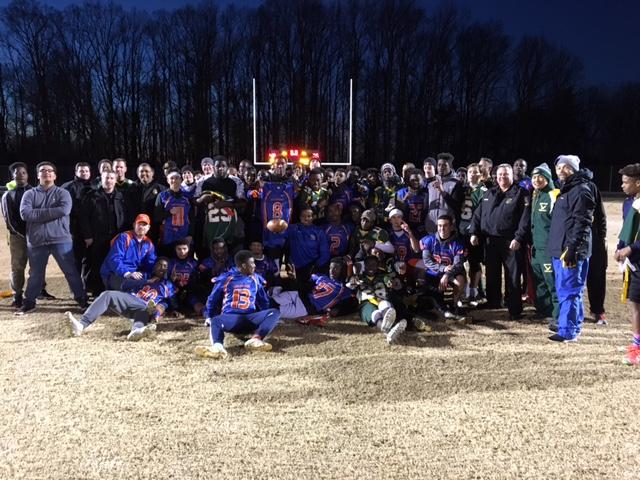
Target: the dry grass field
pixel 494 399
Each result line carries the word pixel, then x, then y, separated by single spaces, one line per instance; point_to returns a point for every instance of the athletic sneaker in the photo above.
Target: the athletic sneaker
pixel 388 319
pixel 217 351
pixel 560 338
pixel 142 332
pixel 601 319
pixel 76 326
pixel 633 356
pixel 17 301
pixel 473 301
pixel 257 345
pixel 25 309
pixel 396 331
pixel 207 322
pixel 44 295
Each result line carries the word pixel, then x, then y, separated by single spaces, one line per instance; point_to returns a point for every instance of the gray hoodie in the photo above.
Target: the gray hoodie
pixel 47 215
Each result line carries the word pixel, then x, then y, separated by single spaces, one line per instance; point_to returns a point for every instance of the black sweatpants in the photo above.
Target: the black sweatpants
pixel 497 255
pixel 597 277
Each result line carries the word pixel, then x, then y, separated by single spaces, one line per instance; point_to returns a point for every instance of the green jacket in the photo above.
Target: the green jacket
pixel 542 202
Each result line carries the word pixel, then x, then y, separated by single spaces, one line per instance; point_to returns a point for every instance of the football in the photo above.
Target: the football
pixel 277 225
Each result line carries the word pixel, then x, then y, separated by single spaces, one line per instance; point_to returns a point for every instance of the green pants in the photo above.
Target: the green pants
pixel 546 302
pixel 366 311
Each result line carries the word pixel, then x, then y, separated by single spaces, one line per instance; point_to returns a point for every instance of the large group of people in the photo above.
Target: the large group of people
pixel 241 249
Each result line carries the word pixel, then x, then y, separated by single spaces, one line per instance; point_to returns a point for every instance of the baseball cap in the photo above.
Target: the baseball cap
pixel 143 218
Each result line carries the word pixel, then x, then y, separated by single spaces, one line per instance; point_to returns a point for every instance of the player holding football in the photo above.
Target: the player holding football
pixel 242 306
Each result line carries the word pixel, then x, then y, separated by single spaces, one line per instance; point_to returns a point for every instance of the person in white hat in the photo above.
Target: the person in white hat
pixel 570 245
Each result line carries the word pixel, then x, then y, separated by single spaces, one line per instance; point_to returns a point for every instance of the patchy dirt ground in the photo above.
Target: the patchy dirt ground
pixel 488 400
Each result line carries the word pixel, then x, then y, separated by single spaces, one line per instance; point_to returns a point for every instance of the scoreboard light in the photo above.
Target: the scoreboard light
pixel 293 155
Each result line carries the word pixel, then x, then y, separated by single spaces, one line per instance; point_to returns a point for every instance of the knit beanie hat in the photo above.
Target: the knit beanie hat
pixel 572 160
pixel 544 170
pixel 389 166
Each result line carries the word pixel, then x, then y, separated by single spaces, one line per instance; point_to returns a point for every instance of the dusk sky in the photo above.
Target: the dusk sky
pixel 604 34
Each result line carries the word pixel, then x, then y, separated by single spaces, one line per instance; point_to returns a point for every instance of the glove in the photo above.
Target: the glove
pixel 569 259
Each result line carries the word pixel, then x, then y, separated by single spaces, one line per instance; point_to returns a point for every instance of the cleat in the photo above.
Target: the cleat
pixel 151 307
pixel 217 351
pixel 142 332
pixel 207 322
pixel 420 326
pixel 388 319
pixel 76 326
pixel 633 356
pixel 257 345
pixel 396 331
pixel 314 320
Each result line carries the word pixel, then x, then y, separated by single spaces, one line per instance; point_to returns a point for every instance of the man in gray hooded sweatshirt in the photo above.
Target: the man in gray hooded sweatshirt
pixel 45 209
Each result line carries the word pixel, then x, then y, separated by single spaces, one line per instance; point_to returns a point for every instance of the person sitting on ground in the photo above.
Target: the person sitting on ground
pixel 239 304
pixel 142 300
pixel 132 255
pixel 375 309
pixel 329 293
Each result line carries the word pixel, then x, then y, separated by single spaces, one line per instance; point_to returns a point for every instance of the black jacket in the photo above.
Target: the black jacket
pixel 77 189
pixel 503 214
pixel 140 198
pixel 572 217
pixel 96 221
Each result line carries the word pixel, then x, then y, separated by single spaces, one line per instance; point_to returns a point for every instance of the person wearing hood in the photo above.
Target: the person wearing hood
pixel 445 194
pixel 597 275
pixel 542 201
pixel 383 194
pixel 569 245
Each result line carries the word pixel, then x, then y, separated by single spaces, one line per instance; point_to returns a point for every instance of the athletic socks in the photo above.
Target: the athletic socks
pixel 473 292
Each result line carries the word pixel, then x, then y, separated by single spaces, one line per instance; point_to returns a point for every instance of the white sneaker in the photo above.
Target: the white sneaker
pixel 217 351
pixel 388 319
pixel 257 345
pixel 396 331
pixel 207 322
pixel 142 332
pixel 76 326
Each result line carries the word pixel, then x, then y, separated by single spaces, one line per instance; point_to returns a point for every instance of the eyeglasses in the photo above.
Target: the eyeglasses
pixel 46 170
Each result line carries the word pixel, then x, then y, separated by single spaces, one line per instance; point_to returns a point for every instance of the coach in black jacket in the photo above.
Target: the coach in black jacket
pixel 103 217
pixel 570 244
pixel 503 220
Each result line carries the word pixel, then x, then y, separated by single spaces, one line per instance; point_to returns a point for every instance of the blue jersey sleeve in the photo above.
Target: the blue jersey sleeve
pixel 214 302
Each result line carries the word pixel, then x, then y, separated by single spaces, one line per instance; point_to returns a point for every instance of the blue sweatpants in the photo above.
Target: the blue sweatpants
pixel 261 323
pixel 570 284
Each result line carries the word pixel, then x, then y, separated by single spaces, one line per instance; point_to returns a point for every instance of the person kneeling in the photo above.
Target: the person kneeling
pixel 443 257
pixel 245 308
pixel 142 301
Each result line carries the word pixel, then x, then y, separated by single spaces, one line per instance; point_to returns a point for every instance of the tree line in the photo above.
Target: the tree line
pixel 96 80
